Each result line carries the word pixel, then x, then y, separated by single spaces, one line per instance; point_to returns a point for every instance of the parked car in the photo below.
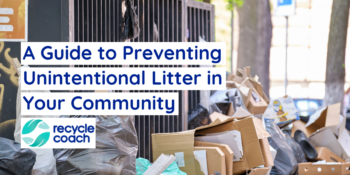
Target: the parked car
pixel 307 106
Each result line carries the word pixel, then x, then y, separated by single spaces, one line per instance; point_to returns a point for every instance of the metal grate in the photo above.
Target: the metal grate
pixel 100 21
pixel 200 22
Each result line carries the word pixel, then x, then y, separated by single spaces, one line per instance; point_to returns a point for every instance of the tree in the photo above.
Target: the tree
pixel 335 71
pixel 255 35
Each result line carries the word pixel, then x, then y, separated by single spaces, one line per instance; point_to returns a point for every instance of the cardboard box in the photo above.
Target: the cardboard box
pixel 179 144
pixel 224 148
pixel 256 107
pixel 324 118
pixel 323 169
pixel 322 128
pixel 259 171
pixel 252 131
pixel 326 154
pixel 215 159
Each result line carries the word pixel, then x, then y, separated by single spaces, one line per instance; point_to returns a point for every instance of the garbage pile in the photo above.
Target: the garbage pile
pixel 242 131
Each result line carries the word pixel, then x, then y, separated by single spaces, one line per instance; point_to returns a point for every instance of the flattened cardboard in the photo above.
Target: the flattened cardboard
pixel 260 130
pixel 317 139
pixel 326 154
pixel 223 138
pixel 328 117
pixel 224 148
pixel 259 171
pixel 171 143
pixel 215 159
pixel 241 113
pixel 201 162
pixel 265 148
pixel 323 169
pixel 344 138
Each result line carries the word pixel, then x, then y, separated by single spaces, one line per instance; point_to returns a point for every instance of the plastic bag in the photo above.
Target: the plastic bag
pixel 198 116
pixel 115 153
pixel 143 164
pixel 45 161
pixel 131 28
pixel 285 161
pixel 14 160
pixel 298 152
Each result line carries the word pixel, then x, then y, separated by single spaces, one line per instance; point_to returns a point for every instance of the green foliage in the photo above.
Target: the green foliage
pixel 231 3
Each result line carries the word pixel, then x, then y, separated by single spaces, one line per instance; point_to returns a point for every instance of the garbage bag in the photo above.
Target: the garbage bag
pixel 298 152
pixel 285 161
pixel 14 160
pixel 143 164
pixel 198 116
pixel 45 161
pixel 115 153
pixel 131 27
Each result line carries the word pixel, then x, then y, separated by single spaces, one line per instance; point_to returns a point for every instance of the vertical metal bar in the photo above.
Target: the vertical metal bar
pixel 78 21
pixel 176 20
pixel 202 17
pixel 71 21
pixel 114 17
pixel 118 23
pixel 285 73
pixel 92 20
pixel 167 21
pixel 109 21
pixel 87 21
pixel 207 26
pixel 190 27
pixel 96 15
pixel 101 19
pixel 105 20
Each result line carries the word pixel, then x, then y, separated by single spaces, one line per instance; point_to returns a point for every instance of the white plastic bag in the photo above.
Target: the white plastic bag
pixel 45 161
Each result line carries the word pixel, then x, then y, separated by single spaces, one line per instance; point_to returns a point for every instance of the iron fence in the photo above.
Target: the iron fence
pixel 173 20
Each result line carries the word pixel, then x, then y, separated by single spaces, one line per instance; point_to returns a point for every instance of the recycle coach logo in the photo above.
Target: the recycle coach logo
pixel 32 125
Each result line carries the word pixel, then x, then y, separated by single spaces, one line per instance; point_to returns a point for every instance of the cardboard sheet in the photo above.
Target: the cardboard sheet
pixel 318 140
pixel 224 148
pixel 201 157
pixel 223 138
pixel 326 154
pixel 215 159
pixel 241 113
pixel 171 143
pixel 325 118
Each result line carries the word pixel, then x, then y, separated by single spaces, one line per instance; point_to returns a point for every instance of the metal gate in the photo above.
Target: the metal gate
pixel 100 21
